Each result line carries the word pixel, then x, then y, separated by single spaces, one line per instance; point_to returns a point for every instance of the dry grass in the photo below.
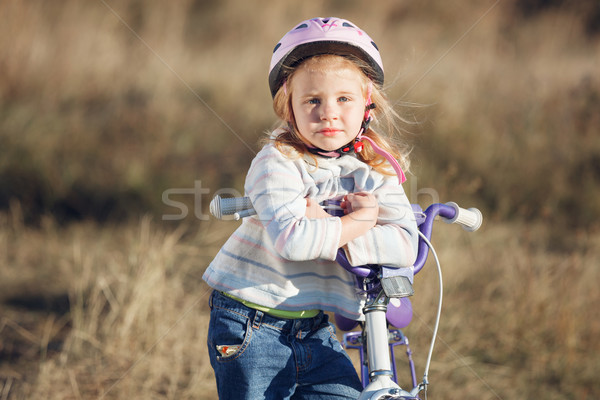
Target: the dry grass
pixel 104 105
pixel 137 319
pixel 518 320
pixel 107 105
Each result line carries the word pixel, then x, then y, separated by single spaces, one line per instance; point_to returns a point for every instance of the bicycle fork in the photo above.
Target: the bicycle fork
pixel 381 374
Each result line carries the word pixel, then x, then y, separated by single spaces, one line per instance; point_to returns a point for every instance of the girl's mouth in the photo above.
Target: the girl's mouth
pixel 329 132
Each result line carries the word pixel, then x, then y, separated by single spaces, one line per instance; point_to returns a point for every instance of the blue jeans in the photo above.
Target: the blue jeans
pixel 257 356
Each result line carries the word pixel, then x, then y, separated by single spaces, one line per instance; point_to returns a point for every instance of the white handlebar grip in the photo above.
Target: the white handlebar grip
pixel 470 219
pixel 238 206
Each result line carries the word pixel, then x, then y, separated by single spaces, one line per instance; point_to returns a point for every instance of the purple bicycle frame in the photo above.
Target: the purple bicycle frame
pixel 425 225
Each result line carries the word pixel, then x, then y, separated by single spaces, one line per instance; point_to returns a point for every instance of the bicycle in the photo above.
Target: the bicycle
pixel 376 341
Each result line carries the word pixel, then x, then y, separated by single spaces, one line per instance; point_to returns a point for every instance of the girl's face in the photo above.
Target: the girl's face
pixel 328 105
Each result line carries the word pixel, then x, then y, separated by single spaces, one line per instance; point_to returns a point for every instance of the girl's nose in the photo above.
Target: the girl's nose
pixel 329 111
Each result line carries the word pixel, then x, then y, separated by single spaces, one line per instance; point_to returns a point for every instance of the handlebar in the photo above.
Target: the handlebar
pixel 470 219
pixel 238 207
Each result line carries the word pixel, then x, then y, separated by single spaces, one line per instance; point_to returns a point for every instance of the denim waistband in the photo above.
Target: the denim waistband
pixel 275 312
pixel 219 300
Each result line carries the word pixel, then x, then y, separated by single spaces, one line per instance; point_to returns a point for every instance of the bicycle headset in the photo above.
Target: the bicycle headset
pixel 335 36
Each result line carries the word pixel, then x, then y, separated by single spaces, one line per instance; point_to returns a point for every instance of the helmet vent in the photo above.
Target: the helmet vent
pixel 302 26
pixel 347 25
pixel 325 21
pixel 276 47
pixel 374 45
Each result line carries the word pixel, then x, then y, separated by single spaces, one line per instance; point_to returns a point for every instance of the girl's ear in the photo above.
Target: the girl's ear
pixel 369 93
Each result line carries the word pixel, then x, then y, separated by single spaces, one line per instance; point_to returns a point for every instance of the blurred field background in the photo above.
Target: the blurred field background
pixel 107 107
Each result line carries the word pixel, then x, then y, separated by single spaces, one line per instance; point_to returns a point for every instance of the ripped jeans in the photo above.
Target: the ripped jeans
pixel 257 356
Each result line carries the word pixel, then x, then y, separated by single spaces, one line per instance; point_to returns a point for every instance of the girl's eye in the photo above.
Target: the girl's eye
pixel 314 101
pixel 343 99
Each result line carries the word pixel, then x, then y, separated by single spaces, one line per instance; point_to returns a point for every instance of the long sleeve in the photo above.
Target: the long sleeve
pixel 277 187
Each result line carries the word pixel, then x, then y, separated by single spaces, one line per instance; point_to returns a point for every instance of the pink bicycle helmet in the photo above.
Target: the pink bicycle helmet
pixel 323 36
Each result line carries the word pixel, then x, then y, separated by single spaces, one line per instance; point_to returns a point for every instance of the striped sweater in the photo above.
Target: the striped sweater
pixel 281 259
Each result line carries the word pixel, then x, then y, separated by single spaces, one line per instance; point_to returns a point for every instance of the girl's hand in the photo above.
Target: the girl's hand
pixel 314 210
pixel 361 211
pixel 363 201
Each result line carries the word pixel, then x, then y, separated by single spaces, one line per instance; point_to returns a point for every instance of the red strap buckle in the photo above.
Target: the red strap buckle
pixel 358 146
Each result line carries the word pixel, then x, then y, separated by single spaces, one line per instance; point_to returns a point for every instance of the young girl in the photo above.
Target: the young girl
pixel 269 337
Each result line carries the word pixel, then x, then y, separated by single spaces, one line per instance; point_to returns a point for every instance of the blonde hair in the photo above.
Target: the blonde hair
pixel 384 116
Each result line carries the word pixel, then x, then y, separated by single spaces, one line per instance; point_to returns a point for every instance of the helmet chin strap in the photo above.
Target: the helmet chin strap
pixel 359 138
pixel 394 163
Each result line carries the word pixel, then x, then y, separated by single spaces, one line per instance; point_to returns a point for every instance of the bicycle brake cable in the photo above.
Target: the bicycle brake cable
pixel 439 310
